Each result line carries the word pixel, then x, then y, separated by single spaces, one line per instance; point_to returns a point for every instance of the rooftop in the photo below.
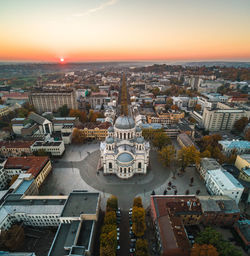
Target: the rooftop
pixel 37 118
pixel 244 227
pixel 16 144
pixel 47 143
pixel 225 180
pixel 210 164
pixel 242 144
pixel 124 122
pixel 31 164
pixel 80 202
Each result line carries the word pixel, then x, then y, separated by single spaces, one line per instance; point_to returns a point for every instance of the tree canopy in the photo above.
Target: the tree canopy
pixel 188 155
pixel 167 154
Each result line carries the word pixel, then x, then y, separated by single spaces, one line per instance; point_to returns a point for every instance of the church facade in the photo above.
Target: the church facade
pixel 124 151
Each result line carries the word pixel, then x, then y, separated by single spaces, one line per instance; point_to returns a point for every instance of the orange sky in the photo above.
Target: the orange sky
pixel 99 30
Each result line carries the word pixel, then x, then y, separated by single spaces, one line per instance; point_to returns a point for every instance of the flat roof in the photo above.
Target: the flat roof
pixel 76 234
pixel 24 186
pixel 210 164
pixel 80 202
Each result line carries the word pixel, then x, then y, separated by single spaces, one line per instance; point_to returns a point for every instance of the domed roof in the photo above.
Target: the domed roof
pixel 138 129
pixel 124 122
pixel 125 157
pixel 140 139
pixel 111 129
pixel 109 140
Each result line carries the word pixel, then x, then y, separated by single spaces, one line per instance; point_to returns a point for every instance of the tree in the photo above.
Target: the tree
pixel 63 111
pixel 197 107
pixel 203 250
pixel 166 155
pixel 22 112
pixel 77 136
pixel 108 228
pixel 138 218
pixel 141 247
pixel 206 153
pixel 188 155
pixel 212 237
pixel 169 103
pixel 92 116
pixel 174 107
pixel 247 134
pixel 160 140
pixel 240 124
pixel 137 202
pixel 110 218
pixel 155 91
pixel 12 238
pixel 112 203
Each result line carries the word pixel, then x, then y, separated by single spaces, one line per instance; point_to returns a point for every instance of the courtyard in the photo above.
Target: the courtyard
pixel 77 170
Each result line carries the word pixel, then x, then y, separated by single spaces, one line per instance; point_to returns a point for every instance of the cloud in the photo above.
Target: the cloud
pixel 96 9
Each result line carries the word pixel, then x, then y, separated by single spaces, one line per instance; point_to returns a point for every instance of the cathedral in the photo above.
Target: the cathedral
pixel 124 151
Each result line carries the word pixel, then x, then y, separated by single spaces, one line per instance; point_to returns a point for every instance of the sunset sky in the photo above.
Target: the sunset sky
pixel 103 30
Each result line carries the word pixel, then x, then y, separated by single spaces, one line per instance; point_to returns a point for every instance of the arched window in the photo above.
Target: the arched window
pixel 125 170
pixel 125 136
pixel 139 165
pixel 110 166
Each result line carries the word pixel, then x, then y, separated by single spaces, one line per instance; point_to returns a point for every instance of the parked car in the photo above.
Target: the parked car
pixel 132 250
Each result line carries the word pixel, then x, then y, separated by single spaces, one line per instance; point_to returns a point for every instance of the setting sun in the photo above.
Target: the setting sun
pixel 62 59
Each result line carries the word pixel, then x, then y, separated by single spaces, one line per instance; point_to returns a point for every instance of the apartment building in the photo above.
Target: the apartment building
pixel 207 164
pixel 171 214
pixel 94 131
pixel 166 118
pixel 55 148
pixel 39 167
pixel 222 119
pixel 51 100
pixel 243 165
pixel 4 110
pixel 221 182
pixel 15 148
pixel 238 146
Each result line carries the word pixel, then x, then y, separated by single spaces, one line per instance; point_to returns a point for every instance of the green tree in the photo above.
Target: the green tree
pixel 211 236
pixel 188 155
pixel 63 111
pixel 112 203
pixel 137 202
pixel 167 154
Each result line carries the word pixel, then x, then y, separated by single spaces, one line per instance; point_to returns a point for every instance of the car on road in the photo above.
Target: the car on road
pixel 132 250
pixel 133 240
pixel 118 247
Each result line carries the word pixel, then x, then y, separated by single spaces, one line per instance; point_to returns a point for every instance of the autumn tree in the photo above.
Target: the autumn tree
pixel 205 153
pixel 203 250
pixel 167 154
pixel 77 136
pixel 188 155
pixel 247 134
pixel 137 202
pixel 112 203
pixel 169 103
pixel 212 237
pixel 160 140
pixel 141 247
pixel 240 124
pixel 197 107
pixel 138 218
pixel 174 107
pixel 110 218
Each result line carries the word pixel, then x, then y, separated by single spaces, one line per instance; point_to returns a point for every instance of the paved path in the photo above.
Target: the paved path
pixel 125 190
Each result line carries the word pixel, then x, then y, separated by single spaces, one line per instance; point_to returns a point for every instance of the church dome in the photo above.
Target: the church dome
pixel 109 140
pixel 125 157
pixel 111 129
pixel 138 129
pixel 124 122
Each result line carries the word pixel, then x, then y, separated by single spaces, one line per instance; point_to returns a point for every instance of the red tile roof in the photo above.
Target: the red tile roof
pixel 32 164
pixel 16 144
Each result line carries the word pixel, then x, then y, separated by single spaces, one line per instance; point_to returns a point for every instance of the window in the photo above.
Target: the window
pixel 110 166
pixel 139 165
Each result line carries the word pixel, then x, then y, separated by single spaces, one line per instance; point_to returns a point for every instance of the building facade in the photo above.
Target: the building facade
pixel 124 151
pixel 51 100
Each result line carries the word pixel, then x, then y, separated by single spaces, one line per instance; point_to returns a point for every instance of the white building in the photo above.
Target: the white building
pixel 239 146
pixel 56 148
pixel 221 182
pixel 124 152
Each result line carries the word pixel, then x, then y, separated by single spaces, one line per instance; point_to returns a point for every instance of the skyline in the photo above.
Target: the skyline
pixel 118 30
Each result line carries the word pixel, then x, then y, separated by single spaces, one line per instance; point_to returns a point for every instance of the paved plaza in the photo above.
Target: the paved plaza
pixel 77 169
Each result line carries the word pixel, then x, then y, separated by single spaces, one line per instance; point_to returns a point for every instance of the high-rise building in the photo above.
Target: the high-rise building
pixel 51 100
